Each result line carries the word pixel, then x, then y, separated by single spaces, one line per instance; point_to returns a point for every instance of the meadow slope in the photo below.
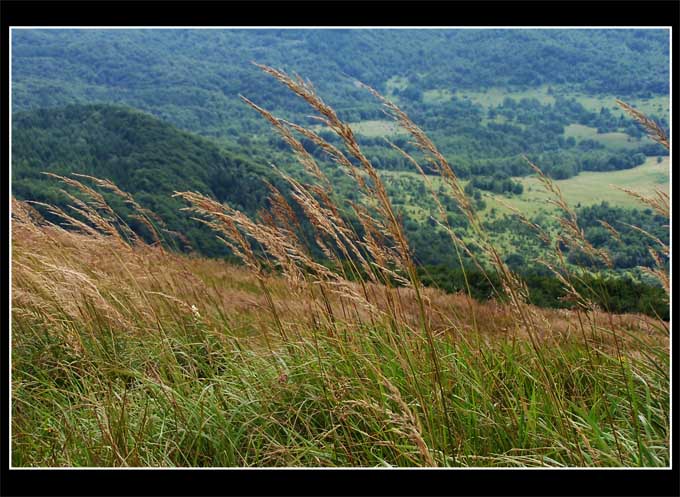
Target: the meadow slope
pixel 134 356
pixel 126 354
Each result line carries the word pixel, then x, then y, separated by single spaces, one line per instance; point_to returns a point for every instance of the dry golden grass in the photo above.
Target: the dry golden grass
pixel 58 270
pixel 101 260
pixel 325 364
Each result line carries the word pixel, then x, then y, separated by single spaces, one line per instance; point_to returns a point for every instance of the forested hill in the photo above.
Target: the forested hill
pixel 192 78
pixel 141 154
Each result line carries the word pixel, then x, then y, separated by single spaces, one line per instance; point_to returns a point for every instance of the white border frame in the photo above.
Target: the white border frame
pixel 395 28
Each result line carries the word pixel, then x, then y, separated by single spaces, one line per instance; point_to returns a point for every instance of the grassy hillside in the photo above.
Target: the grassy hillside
pixel 124 354
pixel 134 357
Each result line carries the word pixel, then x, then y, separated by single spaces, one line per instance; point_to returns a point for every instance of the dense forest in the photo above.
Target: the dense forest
pixel 613 293
pixel 193 79
pixel 212 67
pixel 146 157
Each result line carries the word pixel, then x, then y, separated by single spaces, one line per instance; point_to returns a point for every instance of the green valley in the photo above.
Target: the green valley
pixel 483 112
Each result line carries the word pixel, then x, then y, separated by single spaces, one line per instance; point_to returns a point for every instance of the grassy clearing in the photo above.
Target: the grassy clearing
pixel 613 140
pixel 493 97
pixel 127 355
pixel 437 96
pixel 588 188
pixel 396 82
pixel 500 119
pixel 370 128
pixel 655 105
pixel 377 128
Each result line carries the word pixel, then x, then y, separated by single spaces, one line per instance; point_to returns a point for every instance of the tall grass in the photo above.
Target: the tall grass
pixel 128 355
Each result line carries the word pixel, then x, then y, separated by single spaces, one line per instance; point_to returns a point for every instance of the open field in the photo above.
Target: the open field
pixel 371 128
pixel 492 97
pixel 587 188
pixel 436 96
pixel 613 140
pixel 396 82
pixel 377 128
pixel 656 105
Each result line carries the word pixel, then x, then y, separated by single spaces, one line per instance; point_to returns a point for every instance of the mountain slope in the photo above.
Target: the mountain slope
pixel 142 155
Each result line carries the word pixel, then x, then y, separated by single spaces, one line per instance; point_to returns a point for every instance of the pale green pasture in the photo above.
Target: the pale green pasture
pixel 658 104
pixel 370 129
pixel 377 128
pixel 436 96
pixel 590 188
pixel 587 188
pixel 614 140
pixel 396 82
pixel 579 131
pixel 492 97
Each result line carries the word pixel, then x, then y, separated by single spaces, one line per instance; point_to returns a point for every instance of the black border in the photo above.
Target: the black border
pixel 324 482
pixel 336 13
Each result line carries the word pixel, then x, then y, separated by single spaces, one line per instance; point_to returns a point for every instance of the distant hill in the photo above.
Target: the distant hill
pixel 485 97
pixel 141 154
pixel 192 78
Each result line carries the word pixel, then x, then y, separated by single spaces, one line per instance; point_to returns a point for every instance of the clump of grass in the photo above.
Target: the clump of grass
pixel 119 363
